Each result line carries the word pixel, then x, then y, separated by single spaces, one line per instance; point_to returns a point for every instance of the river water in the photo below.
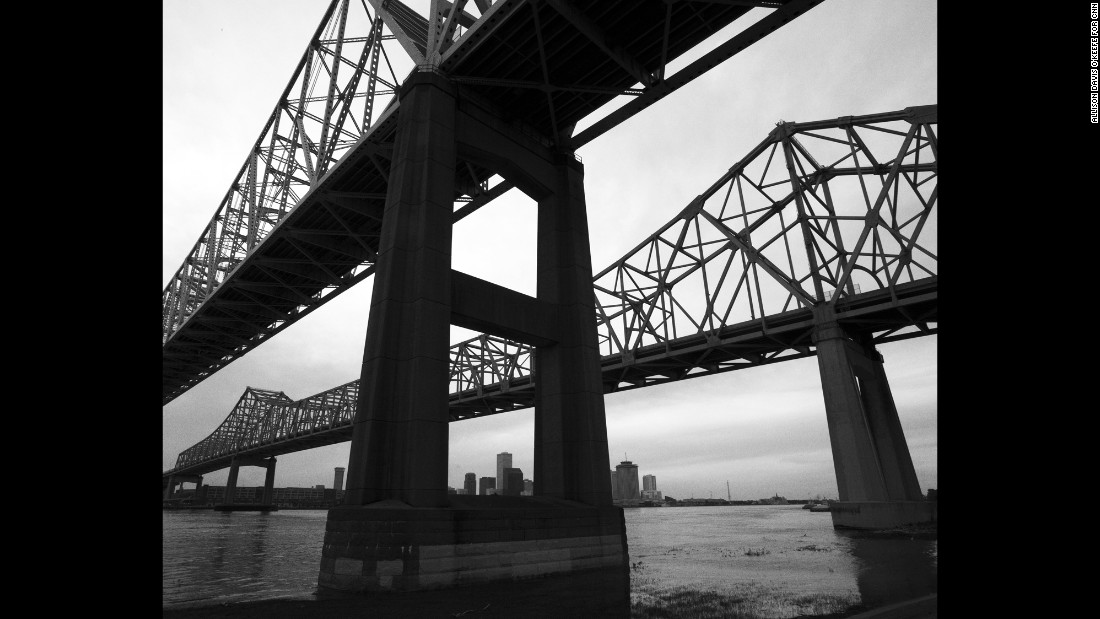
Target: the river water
pixel 776 552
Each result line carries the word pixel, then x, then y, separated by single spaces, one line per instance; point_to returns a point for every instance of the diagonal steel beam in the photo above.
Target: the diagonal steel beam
pixel 398 32
pixel 760 259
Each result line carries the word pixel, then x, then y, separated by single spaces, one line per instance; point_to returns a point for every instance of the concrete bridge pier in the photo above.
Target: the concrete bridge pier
pixel 230 501
pixel 876 480
pixel 398 528
pixel 231 483
pixel 179 480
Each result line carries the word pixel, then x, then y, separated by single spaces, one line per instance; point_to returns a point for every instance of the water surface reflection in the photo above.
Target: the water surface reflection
pixel 778 553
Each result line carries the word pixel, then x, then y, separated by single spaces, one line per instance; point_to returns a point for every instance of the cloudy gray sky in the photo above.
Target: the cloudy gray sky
pixel 225 63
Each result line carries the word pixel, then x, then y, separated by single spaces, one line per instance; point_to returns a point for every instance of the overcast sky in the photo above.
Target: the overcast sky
pixel 225 63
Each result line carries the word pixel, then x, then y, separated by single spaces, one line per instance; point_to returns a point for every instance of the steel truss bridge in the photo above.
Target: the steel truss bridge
pixel 835 215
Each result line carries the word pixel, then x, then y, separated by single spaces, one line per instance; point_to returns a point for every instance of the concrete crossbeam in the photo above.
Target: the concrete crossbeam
pixel 484 306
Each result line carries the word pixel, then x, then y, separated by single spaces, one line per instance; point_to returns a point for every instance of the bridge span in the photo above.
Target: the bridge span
pixel 301 222
pixel 649 336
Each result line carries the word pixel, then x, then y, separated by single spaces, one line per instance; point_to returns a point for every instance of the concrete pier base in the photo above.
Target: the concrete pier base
pixel 390 546
pixel 882 514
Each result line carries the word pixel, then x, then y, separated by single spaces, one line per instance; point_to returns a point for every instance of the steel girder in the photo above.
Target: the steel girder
pixel 839 213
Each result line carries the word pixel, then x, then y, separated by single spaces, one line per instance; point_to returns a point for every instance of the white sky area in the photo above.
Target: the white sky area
pixel 225 63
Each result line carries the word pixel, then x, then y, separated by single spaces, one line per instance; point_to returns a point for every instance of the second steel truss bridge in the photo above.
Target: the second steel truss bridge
pixel 828 218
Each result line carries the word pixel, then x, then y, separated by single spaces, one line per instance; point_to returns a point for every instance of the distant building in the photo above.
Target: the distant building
pixel 338 482
pixel 470 485
pixel 320 486
pixel 513 482
pixel 614 487
pixel 649 489
pixel 504 461
pixel 528 488
pixel 626 480
pixel 487 484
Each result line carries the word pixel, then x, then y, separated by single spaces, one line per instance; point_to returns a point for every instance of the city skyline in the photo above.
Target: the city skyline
pixel 763 429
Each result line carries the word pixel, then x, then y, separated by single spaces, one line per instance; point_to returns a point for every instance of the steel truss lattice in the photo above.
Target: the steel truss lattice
pixel 346 77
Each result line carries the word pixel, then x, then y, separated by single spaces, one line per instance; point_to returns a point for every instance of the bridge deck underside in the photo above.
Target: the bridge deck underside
pixel 542 68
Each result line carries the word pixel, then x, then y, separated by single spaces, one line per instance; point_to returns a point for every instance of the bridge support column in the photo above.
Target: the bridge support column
pixel 231 483
pixel 269 483
pixel 230 502
pixel 571 460
pixel 171 489
pixel 876 480
pixel 400 434
pixel 398 529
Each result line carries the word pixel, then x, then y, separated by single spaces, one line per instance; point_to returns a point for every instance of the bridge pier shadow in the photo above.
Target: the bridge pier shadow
pixel 389 546
pixel 601 592
pixel 894 567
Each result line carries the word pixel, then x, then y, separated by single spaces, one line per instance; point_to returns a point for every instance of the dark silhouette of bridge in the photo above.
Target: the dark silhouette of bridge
pixel 820 242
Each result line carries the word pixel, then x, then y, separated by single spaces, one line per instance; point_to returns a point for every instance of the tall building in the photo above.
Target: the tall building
pixel 504 461
pixel 471 484
pixel 614 487
pixel 487 483
pixel 528 487
pixel 626 479
pixel 513 484
pixel 649 489
pixel 338 483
